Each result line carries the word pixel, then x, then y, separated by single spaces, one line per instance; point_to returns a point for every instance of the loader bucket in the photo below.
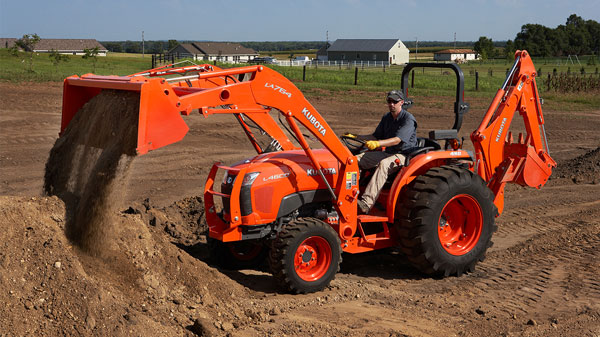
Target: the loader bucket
pixel 159 118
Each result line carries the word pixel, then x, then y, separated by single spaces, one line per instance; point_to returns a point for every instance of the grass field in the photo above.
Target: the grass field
pixel 428 81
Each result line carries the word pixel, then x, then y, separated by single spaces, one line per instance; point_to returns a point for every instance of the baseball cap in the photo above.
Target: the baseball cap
pixel 396 95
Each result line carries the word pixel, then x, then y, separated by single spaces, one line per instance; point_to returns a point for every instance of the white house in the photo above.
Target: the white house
pixel 63 46
pixel 210 51
pixel 388 51
pixel 456 55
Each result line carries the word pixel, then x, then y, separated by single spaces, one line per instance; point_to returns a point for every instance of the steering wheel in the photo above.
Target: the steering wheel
pixel 355 145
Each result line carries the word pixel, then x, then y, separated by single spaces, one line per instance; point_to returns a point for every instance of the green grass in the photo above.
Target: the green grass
pixel 322 80
pixel 16 69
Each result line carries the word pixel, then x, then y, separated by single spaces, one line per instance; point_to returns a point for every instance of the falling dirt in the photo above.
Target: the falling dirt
pixel 539 278
pixel 90 163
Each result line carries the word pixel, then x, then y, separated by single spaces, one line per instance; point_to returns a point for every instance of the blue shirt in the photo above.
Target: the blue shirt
pixel 403 127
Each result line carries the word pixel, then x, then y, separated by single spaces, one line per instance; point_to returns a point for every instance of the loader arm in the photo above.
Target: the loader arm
pixel 249 91
pixel 500 160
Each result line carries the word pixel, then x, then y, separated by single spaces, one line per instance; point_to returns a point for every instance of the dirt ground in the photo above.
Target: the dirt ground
pixel 539 278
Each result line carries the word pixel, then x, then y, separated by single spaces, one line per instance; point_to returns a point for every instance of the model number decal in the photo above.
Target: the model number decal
pixel 276 176
pixel 313 120
pixel 278 88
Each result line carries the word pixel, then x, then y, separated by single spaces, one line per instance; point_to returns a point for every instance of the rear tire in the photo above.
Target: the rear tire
pixel 305 255
pixel 446 220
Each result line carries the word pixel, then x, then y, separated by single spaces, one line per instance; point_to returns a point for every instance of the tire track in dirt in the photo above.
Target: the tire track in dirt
pixel 541 272
pixel 521 220
pixel 27 140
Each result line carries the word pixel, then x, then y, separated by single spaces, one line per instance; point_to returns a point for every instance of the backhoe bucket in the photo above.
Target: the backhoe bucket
pixel 535 169
pixel 159 122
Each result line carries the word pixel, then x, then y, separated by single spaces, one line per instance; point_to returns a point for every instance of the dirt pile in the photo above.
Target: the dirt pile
pixel 584 169
pixel 147 286
pixel 89 163
pixel 183 220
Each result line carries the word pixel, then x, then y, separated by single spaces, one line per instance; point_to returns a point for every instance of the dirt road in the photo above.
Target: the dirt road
pixel 539 279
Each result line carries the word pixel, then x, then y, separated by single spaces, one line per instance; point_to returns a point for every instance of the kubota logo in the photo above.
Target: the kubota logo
pixel 313 120
pixel 325 171
pixel 278 88
pixel 501 128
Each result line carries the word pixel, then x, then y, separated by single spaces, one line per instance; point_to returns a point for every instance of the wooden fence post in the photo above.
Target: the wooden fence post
pixel 304 73
pixel 412 80
pixel 476 81
pixel 355 75
pixel 153 61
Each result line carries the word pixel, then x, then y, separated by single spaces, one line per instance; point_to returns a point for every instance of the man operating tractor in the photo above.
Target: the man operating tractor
pixel 395 136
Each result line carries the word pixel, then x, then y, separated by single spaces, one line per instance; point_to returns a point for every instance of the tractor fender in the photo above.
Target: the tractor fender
pixel 419 165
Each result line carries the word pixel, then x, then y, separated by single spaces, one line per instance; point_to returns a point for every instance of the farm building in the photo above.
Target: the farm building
pixel 322 52
pixel 456 55
pixel 390 51
pixel 211 51
pixel 63 46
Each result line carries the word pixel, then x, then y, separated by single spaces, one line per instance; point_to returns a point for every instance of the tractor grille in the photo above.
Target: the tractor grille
pixel 245 196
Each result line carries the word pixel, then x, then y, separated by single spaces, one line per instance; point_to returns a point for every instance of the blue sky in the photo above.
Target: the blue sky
pixel 270 20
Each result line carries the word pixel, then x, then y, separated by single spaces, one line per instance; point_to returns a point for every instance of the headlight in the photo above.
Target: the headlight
pixel 249 178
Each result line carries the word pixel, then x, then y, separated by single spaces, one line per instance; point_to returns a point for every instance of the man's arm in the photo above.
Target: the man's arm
pixel 390 142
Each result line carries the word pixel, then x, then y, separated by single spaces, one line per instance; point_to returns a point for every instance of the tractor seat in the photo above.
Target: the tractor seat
pixel 424 145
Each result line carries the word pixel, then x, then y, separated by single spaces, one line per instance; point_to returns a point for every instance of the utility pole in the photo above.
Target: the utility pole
pixel 416 47
pixel 142 44
pixel 454 40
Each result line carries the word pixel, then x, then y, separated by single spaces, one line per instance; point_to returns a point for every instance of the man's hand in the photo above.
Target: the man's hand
pixel 372 144
pixel 349 135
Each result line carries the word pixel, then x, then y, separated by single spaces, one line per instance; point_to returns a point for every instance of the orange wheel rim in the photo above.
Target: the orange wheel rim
pixel 460 224
pixel 312 258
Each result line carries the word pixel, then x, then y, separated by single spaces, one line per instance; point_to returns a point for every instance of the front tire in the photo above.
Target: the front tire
pixel 305 255
pixel 236 255
pixel 446 221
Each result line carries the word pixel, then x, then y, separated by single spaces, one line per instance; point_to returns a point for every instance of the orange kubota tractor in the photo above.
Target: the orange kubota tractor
pixel 298 204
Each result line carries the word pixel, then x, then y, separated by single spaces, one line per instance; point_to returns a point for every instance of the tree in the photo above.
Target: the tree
pixel 509 51
pixel 485 47
pixel 27 43
pixel 56 58
pixel 132 47
pixel 93 54
pixel 113 46
pixel 172 44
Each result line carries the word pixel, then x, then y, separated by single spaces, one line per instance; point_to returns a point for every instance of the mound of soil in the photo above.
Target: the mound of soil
pixel 183 220
pixel 584 169
pixel 146 286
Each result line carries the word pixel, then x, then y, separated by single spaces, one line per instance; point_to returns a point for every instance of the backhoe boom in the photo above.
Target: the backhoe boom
pixel 526 162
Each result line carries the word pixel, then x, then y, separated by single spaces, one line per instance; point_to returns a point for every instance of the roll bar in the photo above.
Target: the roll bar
pixel 460 106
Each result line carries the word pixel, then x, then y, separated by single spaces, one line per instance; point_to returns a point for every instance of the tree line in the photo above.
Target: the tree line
pixel 576 37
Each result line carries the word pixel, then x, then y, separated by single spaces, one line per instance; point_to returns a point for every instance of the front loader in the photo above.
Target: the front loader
pixel 298 204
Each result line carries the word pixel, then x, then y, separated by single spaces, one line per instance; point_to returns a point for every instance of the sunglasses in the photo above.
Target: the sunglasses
pixel 392 101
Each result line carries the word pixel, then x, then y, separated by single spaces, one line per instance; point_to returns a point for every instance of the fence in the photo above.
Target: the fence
pixel 573 83
pixel 378 74
pixel 334 64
